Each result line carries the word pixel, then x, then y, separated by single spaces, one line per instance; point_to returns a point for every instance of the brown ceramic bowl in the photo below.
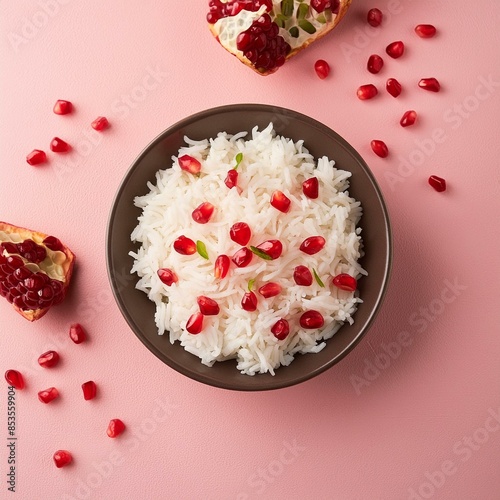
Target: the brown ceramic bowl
pixel 320 140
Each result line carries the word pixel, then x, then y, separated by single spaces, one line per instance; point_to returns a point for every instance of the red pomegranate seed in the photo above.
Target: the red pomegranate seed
pixel 221 266
pixel 311 320
pixel 36 157
pixel 345 282
pixel 321 5
pixel 59 146
pixel 312 245
pixel 281 329
pixel 249 301
pixel 322 68
pixel 48 359
pixel 231 179
pixel 395 49
pixel 242 257
pixel 62 107
pixel 270 290
pixel 302 276
pixel 115 428
pixel 53 243
pixel 184 245
pixel 62 458
pixel 393 87
pixel 48 395
pixel 379 148
pixel 89 390
pixel 408 118
pixel 429 84
pixel 425 30
pixel 240 233
pixel 189 164
pixel 310 188
pixel 272 248
pixel 208 306
pixel 374 64
pixel 15 379
pixel 77 333
pixel 194 324
pixel 203 213
pixel 100 123
pixel 366 92
pixel 280 201
pixel 374 17
pixel 438 183
pixel 167 276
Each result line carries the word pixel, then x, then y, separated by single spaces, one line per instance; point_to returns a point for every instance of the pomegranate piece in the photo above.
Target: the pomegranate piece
pixel 374 64
pixel 270 289
pixel 232 178
pixel 240 233
pixel 302 276
pixel 167 276
pixel 281 329
pixel 89 390
pixel 100 123
pixel 395 49
pixel 280 201
pixel 321 5
pixel 115 428
pixel 366 92
pixel 312 245
pixel 249 301
pixel 77 334
pixel 425 30
pixel 374 17
pixel 48 359
pixel 15 379
pixel 271 248
pixel 203 213
pixel 48 395
pixel 59 146
pixel 189 164
pixel 408 118
pixel 393 87
pixel 430 84
pixel 310 188
pixel 438 183
pixel 62 107
pixel 62 458
pixel 379 148
pixel 184 245
pixel 242 257
pixel 322 68
pixel 208 306
pixel 194 324
pixel 311 320
pixel 221 266
pixel 53 243
pixel 345 282
pixel 36 157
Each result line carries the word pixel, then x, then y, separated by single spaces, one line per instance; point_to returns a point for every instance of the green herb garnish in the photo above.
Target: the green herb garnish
pixel 239 158
pixel 250 285
pixel 260 253
pixel 318 279
pixel 202 249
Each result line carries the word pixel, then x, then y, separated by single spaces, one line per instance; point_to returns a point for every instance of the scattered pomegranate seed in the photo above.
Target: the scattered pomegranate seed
pixel 374 64
pixel 280 201
pixel 281 329
pixel 429 84
pixel 393 87
pixel 203 213
pixel 184 245
pixel 15 379
pixel 77 333
pixel 345 282
pixel 231 179
pixel 379 148
pixel 311 320
pixel 59 146
pixel 322 68
pixel 189 164
pixel 194 324
pixel 208 306
pixel 240 233
pixel 270 290
pixel 62 107
pixel 115 428
pixel 302 276
pixel 438 183
pixel 242 257
pixel 100 123
pixel 272 248
pixel 321 5
pixel 312 245
pixel 310 188
pixel 366 92
pixel 62 458
pixel 48 359
pixel 221 266
pixel 48 395
pixel 53 243
pixel 425 30
pixel 167 276
pixel 395 49
pixel 374 17
pixel 408 118
pixel 89 390
pixel 36 157
pixel 249 301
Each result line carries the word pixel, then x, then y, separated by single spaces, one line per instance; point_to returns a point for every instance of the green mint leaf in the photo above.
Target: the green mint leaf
pixel 202 249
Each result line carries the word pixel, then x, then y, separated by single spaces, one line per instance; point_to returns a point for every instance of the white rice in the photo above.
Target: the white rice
pixel 270 162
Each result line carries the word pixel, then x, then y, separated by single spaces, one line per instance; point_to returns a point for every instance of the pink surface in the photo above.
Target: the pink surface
pixel 423 423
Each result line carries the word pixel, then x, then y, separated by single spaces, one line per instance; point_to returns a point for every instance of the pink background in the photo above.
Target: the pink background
pixel 419 424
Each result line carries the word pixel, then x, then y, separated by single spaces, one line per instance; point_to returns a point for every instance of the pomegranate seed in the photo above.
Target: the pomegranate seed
pixel 249 301
pixel 429 84
pixel 272 248
pixel 310 188
pixel 270 290
pixel 379 148
pixel 221 266
pixel 374 17
pixel 167 276
pixel 62 458
pixel 184 246
pixel 53 243
pixel 311 320
pixel 48 359
pixel 321 5
pixel 62 107
pixel 15 379
pixel 242 257
pixel 393 87
pixel 77 333
pixel 59 146
pixel 374 64
pixel 89 390
pixel 203 213
pixel 100 123
pixel 408 118
pixel 438 183
pixel 189 164
pixel 115 428
pixel 240 233
pixel 302 276
pixel 395 49
pixel 345 282
pixel 48 395
pixel 312 245
pixel 231 179
pixel 425 30
pixel 208 306
pixel 322 68
pixel 36 157
pixel 281 329
pixel 366 92
pixel 280 201
pixel 194 324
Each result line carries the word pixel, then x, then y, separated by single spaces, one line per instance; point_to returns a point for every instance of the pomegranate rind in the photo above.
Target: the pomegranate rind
pixel 67 265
